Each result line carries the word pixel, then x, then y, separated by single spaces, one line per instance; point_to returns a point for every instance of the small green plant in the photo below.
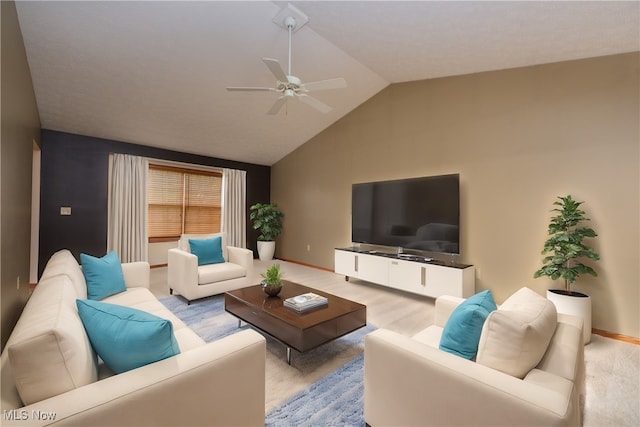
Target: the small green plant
pixel 273 276
pixel 267 219
pixel 565 246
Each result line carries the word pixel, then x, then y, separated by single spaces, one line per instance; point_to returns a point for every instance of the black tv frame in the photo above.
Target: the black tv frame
pixel 413 214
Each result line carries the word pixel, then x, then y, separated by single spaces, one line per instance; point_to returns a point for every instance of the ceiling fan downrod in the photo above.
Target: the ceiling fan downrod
pixel 290 23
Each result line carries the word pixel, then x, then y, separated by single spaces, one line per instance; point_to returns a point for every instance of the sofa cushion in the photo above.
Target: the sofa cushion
pixel 461 333
pixel 183 242
pixel 103 275
pixel 430 336
pixel 208 251
pixel 49 351
pixel 126 338
pixel 515 337
pixel 143 299
pixel 553 383
pixel 218 272
pixel 63 262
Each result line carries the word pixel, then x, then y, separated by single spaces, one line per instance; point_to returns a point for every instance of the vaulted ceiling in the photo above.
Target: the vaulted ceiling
pixel 155 73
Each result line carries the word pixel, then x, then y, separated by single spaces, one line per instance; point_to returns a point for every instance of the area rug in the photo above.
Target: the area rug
pixel 334 400
pixel 207 318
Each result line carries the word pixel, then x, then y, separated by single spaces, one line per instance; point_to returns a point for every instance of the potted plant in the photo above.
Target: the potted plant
pixel 267 219
pixel 272 283
pixel 565 249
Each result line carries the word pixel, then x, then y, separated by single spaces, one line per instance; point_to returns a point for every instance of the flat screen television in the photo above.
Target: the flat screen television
pixel 417 213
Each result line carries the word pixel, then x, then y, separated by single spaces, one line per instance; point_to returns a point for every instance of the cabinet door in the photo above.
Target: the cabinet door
pixel 346 263
pixel 407 276
pixel 443 281
pixel 373 269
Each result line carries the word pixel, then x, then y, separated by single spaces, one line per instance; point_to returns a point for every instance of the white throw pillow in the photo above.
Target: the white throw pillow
pixel 516 336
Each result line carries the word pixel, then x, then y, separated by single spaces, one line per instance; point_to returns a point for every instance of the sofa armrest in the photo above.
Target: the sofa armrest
pixel 136 274
pixel 220 383
pixel 565 354
pixel 445 305
pixel 241 256
pixel 182 270
pixel 409 383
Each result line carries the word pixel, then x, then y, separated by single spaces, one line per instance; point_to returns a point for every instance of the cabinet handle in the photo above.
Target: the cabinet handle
pixel 355 266
pixel 423 276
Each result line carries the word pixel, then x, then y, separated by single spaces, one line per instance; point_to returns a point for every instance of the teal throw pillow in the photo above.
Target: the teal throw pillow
pixel 461 333
pixel 126 338
pixel 208 251
pixel 103 275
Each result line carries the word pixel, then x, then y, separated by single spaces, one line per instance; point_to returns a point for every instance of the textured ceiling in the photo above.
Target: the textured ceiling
pixel 155 73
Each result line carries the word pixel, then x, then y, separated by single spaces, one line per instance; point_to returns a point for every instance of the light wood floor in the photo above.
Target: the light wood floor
pixel 386 308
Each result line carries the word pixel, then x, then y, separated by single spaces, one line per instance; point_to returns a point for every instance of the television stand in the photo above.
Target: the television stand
pixel 409 273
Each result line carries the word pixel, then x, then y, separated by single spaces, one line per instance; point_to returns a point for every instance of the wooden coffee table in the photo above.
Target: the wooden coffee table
pixel 300 331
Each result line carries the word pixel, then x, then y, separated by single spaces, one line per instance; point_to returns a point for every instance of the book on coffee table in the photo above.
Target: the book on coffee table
pixel 306 302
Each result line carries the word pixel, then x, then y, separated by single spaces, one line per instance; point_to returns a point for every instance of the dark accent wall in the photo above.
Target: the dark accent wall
pixel 74 173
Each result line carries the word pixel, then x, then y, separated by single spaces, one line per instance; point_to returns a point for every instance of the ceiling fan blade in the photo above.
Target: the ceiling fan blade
pixel 338 83
pixel 252 89
pixel 276 69
pixel 318 105
pixel 275 108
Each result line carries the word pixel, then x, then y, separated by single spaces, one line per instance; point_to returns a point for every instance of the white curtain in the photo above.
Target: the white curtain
pixel 127 230
pixel 234 210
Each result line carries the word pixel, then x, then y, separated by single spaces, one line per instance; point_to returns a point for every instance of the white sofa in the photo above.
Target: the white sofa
pixel 49 354
pixel 191 281
pixel 410 382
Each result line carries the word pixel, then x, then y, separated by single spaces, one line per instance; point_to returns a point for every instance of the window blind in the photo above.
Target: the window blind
pixel 183 201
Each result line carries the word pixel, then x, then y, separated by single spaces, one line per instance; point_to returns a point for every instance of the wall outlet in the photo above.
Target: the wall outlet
pixel 65 210
pixel 308 247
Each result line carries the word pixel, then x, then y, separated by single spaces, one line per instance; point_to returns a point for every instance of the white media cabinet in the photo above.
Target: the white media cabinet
pixel 418 276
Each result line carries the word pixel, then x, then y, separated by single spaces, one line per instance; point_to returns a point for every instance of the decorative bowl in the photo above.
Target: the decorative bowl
pixel 271 290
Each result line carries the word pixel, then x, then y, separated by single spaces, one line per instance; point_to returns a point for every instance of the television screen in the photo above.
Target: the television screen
pixel 417 213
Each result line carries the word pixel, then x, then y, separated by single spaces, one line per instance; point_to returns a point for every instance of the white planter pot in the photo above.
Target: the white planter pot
pixel 579 306
pixel 266 250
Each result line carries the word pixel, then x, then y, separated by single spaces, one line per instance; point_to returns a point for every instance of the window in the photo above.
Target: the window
pixel 183 201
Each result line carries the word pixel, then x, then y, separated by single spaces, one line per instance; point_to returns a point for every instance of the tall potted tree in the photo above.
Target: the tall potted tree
pixel 564 251
pixel 267 219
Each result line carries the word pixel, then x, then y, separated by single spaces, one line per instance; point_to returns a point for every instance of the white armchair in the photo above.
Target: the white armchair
pixel 191 281
pixel 410 382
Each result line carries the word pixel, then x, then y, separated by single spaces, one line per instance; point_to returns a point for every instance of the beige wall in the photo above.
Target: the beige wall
pixel 20 128
pixel 518 138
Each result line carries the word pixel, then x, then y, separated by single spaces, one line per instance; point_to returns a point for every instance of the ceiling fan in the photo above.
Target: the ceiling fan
pixel 290 86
